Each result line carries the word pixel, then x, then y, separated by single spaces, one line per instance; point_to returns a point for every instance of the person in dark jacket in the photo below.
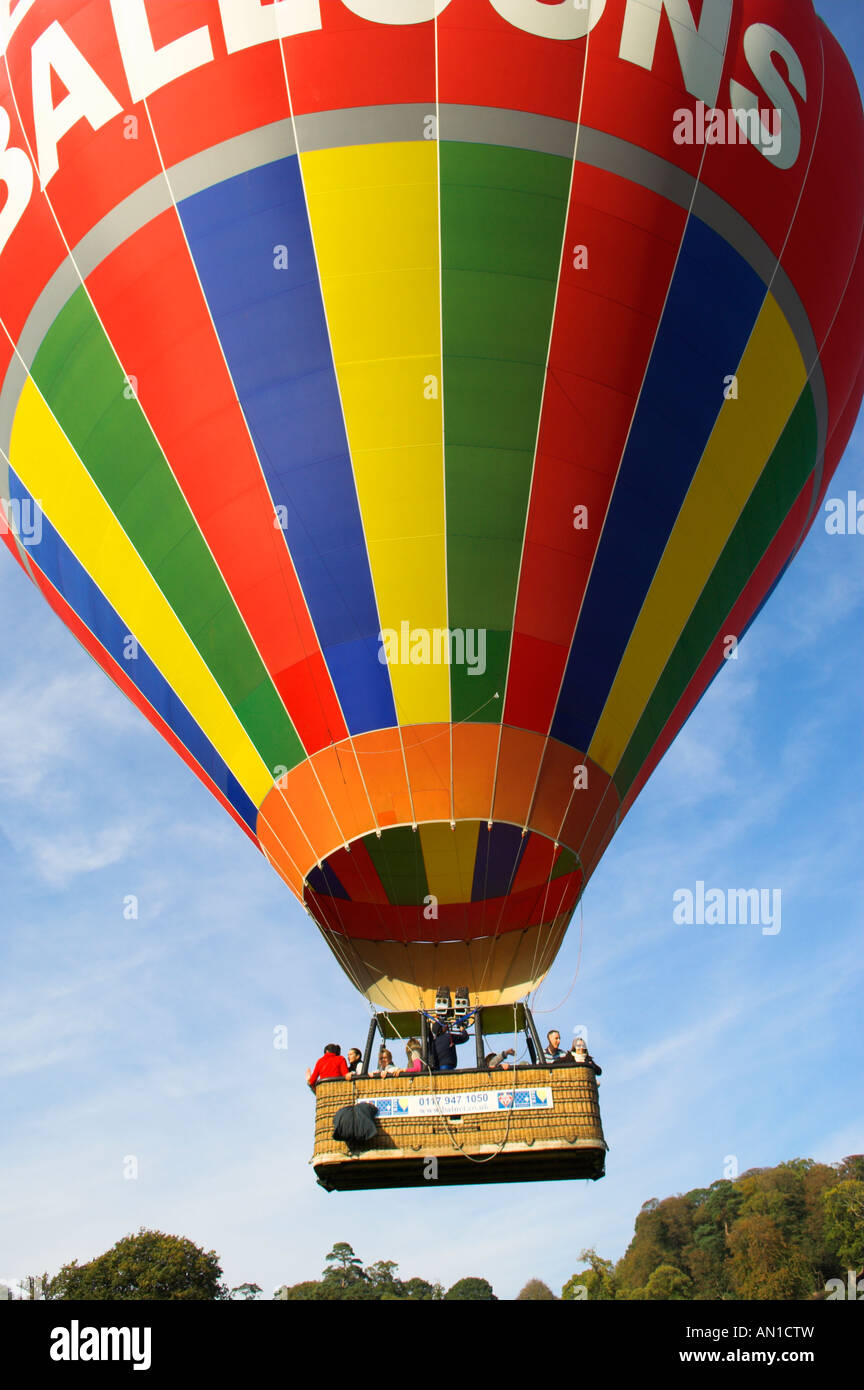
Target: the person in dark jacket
pixel 330 1067
pixel 442 1052
pixel 355 1061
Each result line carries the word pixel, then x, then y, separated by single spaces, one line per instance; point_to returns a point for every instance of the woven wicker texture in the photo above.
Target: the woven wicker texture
pixel 573 1119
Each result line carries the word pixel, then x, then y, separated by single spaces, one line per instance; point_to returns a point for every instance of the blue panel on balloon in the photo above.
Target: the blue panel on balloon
pixel 499 852
pixel 356 664
pixel 252 246
pixel 714 301
pixel 325 881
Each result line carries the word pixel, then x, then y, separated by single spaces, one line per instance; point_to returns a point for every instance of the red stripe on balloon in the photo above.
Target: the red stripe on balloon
pixel 355 63
pixel 97 168
pixel 456 921
pixel 151 304
pixel 819 217
pixel 484 60
pixel 358 875
pixel 536 863
pixel 610 301
pixel 219 100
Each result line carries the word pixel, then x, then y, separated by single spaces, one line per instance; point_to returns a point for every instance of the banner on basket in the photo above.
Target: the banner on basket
pixel 463 1102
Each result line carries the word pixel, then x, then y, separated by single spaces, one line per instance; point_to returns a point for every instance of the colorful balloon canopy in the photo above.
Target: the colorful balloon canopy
pixel 410 404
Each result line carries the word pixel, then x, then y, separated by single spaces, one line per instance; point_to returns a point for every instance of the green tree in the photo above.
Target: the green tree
pixel 342 1259
pixel 706 1266
pixel 813 1237
pixel 662 1231
pixel 669 1284
pixel 778 1193
pixel 598 1280
pixel 344 1276
pixel 689 1233
pixel 345 1279
pixel 150 1265
pixel 472 1288
pixel 843 1206
pixel 382 1281
pixel 764 1264
pixel 421 1291
pixel 308 1291
pixel 247 1291
pixel 536 1289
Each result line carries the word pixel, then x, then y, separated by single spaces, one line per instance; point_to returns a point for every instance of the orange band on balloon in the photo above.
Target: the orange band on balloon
pixel 368 783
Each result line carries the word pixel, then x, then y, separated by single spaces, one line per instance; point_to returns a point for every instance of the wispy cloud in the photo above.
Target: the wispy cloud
pixel 63 856
pixel 48 723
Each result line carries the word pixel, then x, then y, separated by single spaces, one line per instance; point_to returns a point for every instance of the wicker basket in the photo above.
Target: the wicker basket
pixel 545 1125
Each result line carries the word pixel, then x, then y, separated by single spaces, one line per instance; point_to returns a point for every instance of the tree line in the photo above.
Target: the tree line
pixel 346 1278
pixel 772 1233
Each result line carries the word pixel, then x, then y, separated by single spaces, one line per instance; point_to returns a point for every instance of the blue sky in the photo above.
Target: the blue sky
pixel 153 1037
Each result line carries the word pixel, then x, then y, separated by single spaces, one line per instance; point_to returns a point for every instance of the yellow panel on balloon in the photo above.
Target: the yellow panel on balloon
pixel 770 379
pixel 51 470
pixel 374 216
pixel 449 854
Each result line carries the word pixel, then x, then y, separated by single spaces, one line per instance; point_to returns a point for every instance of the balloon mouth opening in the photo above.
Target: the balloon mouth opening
pixel 441 881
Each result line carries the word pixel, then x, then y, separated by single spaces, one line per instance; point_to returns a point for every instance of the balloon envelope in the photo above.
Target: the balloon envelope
pixel 410 406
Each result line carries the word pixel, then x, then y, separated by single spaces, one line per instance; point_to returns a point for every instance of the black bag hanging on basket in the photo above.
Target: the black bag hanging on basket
pixel 355 1124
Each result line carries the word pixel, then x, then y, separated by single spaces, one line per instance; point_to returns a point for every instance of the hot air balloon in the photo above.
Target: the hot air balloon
pixel 410 403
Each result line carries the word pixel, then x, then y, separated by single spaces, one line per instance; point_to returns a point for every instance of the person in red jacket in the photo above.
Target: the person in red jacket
pixel 331 1067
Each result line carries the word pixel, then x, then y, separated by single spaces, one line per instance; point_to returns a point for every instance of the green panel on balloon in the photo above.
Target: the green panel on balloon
pixel 767 507
pixel 564 864
pixel 84 385
pixel 398 858
pixel 503 213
